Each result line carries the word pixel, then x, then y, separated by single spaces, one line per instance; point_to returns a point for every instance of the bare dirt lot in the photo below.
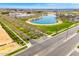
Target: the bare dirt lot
pixel 4 37
pixel 7 44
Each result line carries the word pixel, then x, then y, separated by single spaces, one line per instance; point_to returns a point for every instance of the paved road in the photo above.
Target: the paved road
pixel 65 48
pixel 75 53
pixel 36 49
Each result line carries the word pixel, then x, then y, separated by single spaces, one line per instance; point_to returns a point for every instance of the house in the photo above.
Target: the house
pixel 20 15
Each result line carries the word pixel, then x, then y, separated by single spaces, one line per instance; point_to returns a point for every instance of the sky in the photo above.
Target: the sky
pixel 40 5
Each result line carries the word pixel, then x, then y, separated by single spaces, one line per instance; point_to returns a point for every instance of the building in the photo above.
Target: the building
pixel 20 15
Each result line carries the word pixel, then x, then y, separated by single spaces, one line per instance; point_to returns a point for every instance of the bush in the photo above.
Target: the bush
pixel 77 31
pixel 77 46
pixel 4 12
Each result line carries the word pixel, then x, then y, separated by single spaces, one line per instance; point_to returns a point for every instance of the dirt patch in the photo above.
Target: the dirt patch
pixel 8 48
pixel 4 37
pixel 6 43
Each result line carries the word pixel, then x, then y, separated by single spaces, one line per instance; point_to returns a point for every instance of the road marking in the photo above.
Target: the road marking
pixel 70 52
pixel 44 52
pixel 70 37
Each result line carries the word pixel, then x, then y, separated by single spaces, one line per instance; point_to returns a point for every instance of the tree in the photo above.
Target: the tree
pixel 28 12
pixel 4 12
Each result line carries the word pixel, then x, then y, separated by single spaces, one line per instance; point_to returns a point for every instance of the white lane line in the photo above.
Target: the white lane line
pixel 70 52
pixel 70 37
pixel 44 52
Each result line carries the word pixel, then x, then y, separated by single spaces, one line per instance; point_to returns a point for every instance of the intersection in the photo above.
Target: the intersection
pixel 48 46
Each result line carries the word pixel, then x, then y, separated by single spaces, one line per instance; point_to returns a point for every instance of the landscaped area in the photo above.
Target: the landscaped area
pixel 54 25
pixel 50 29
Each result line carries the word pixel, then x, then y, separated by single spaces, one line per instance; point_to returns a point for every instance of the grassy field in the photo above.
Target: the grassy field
pixel 54 28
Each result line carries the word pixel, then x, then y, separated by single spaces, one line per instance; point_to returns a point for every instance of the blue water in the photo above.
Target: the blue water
pixel 51 19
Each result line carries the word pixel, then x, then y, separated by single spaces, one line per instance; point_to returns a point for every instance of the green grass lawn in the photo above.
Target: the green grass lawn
pixel 54 28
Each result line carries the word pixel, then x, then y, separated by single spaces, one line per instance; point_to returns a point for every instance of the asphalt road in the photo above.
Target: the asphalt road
pixel 51 43
pixel 75 53
pixel 65 48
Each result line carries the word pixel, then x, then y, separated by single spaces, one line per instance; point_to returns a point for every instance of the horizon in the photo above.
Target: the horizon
pixel 40 5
